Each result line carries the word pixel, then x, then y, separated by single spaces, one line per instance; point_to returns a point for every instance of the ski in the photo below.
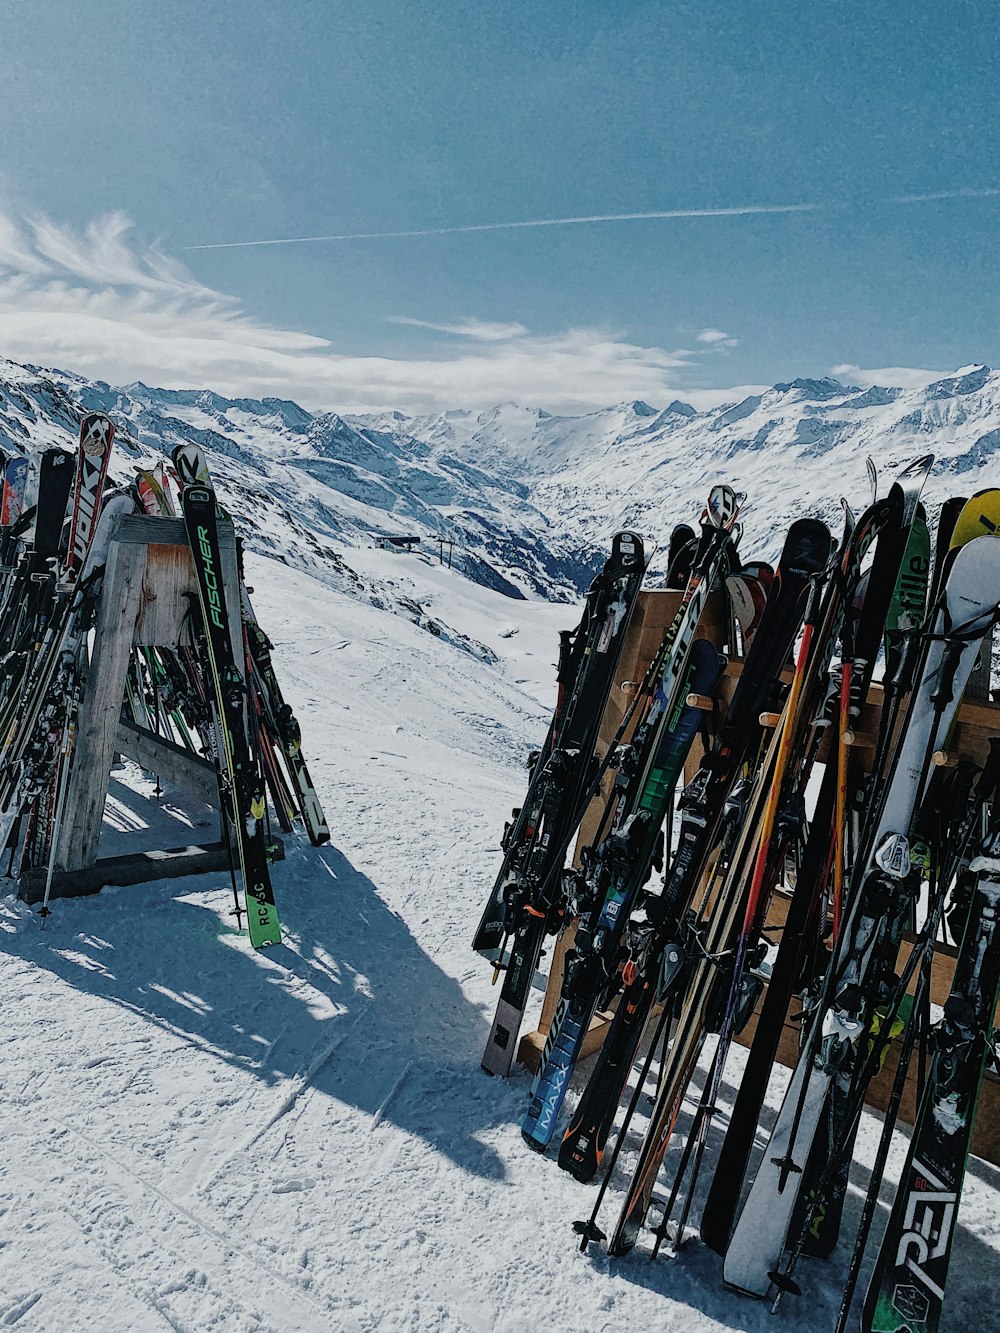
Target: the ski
pixel 242 793
pixel 952 818
pixel 30 714
pixel 281 721
pixel 907 1288
pixel 590 1125
pixel 830 1056
pixel 886 522
pixel 631 838
pixel 535 844
pixel 806 554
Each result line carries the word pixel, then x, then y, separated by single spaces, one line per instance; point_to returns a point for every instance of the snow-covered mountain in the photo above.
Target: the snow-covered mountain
pixel 310 486
pixel 529 498
pixel 793 448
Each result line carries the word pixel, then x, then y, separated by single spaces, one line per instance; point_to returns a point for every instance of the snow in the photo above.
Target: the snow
pixel 200 1137
pixel 533 498
pixel 794 448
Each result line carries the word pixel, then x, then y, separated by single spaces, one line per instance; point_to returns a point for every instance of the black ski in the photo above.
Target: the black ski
pixel 535 843
pixel 907 1288
pixel 243 793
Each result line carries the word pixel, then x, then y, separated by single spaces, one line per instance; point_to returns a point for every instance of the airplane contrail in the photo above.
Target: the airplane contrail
pixel 748 210
pixel 990 192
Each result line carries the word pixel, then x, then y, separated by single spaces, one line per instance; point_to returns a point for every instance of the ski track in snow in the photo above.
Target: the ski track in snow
pixel 201 1138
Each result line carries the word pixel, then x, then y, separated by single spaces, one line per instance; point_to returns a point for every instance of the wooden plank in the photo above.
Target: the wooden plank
pixel 170 576
pixel 135 868
pixel 529 1051
pixel 142 529
pixel 167 587
pixel 170 580
pixel 190 772
pixel 123 870
pixel 100 708
pixel 978 721
pixel 563 943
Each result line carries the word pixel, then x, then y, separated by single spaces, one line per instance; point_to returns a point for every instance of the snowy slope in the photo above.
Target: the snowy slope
pixel 793 448
pixel 201 1138
pixel 531 499
pixel 333 482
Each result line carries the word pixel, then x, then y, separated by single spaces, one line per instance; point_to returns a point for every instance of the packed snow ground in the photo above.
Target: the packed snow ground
pixel 204 1138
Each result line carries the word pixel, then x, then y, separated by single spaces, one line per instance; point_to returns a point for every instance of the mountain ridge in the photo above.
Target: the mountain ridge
pixel 529 497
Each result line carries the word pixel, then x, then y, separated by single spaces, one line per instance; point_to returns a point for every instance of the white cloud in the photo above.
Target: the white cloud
pixel 99 302
pixel 892 377
pixel 479 329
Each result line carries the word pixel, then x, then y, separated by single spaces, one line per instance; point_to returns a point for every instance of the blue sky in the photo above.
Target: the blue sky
pixel 210 123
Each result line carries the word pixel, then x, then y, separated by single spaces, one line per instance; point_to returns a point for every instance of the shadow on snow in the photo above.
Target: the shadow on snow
pixel 350 1006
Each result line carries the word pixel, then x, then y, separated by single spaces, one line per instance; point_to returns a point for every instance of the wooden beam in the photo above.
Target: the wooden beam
pixel 148 584
pixel 135 868
pixel 190 772
pixel 100 708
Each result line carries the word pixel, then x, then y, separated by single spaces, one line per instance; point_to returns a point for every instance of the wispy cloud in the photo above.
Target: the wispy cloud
pixel 892 377
pixel 478 329
pixel 591 219
pixel 716 338
pixel 99 301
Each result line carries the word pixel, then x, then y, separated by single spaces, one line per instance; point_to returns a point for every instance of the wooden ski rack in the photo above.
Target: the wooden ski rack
pixel 149 584
pixel 978 721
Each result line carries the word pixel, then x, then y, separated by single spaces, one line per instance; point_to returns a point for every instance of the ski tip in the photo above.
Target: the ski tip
pixel 619 1248
pixel 268 942
pixel 533 1143
pixel 584 1171
pixel 712 1242
pixel 743 1291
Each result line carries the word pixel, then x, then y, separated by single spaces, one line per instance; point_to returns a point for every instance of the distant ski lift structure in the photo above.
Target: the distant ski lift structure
pixel 384 542
pixel 442 543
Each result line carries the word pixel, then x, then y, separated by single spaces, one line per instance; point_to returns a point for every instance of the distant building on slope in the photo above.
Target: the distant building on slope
pixel 384 542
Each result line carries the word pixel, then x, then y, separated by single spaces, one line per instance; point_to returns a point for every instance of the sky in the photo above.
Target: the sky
pixel 830 175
